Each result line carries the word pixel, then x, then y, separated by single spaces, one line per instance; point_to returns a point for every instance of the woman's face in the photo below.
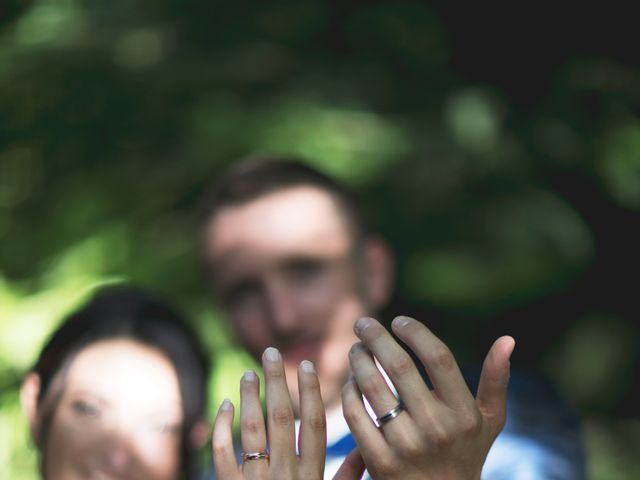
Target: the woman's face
pixel 119 416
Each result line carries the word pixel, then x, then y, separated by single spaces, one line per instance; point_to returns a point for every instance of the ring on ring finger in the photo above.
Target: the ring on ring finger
pixel 261 455
pixel 390 415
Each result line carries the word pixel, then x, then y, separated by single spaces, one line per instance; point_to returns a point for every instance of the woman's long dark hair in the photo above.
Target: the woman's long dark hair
pixel 128 312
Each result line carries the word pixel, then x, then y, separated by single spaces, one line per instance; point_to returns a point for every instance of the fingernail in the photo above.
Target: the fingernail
pixel 249 376
pixel 272 354
pixel 351 379
pixel 226 405
pixel 400 322
pixel 357 347
pixel 307 366
pixel 362 324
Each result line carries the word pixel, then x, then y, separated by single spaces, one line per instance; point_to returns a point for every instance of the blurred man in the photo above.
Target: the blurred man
pixel 293 263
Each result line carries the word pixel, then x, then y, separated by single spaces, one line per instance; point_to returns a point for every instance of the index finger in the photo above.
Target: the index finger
pixel 224 459
pixel 396 362
pixel 442 368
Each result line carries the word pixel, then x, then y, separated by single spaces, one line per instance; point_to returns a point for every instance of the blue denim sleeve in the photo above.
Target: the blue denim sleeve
pixel 541 438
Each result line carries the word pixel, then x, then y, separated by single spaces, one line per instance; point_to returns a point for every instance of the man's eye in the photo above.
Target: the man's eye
pixel 305 270
pixel 86 409
pixel 241 293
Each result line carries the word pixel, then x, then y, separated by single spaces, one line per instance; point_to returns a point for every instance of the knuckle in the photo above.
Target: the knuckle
pixel 350 414
pixel 251 425
pixel 439 438
pixel 371 386
pixel 471 423
pixel 282 416
pixel 384 466
pixel 401 365
pixel 442 357
pixel 220 450
pixel 411 447
pixel 316 423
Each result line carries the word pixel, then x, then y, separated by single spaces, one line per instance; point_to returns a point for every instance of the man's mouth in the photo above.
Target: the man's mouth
pixel 301 350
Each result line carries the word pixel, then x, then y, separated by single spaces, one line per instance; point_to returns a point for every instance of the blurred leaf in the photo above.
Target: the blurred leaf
pixel 474 120
pixel 348 143
pixel 18 458
pixel 619 164
pixel 595 360
pixel 529 243
pixel 50 23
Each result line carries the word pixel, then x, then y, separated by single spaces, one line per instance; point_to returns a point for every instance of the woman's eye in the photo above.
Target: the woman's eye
pixel 86 409
pixel 167 428
pixel 161 428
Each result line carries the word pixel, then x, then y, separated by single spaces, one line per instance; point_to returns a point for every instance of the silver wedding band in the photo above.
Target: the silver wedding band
pixel 246 456
pixel 390 415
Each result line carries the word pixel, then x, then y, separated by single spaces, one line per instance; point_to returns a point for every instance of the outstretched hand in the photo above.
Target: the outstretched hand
pixel 278 461
pixel 444 433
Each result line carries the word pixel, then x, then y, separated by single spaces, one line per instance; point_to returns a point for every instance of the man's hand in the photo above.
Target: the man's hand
pixel 444 433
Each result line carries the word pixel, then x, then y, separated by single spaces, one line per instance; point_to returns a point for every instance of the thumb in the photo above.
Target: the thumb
pixel 491 398
pixel 352 468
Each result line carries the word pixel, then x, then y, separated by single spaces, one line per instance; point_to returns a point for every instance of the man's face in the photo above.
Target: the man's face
pixel 285 270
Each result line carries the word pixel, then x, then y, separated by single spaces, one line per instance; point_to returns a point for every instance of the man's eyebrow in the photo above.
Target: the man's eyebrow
pixel 298 260
pixel 222 262
pixel 223 275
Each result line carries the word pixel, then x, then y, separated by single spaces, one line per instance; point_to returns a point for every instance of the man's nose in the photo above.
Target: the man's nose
pixel 283 307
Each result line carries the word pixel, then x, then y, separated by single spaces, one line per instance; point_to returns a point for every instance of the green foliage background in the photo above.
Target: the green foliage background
pixel 499 151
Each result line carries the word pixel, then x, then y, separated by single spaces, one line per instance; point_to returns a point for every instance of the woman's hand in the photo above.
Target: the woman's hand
pixel 444 433
pixel 281 462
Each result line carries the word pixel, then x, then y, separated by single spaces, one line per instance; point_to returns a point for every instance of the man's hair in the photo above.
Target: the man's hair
pixel 258 175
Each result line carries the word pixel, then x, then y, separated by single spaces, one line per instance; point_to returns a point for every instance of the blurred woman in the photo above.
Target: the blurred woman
pixel 118 391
